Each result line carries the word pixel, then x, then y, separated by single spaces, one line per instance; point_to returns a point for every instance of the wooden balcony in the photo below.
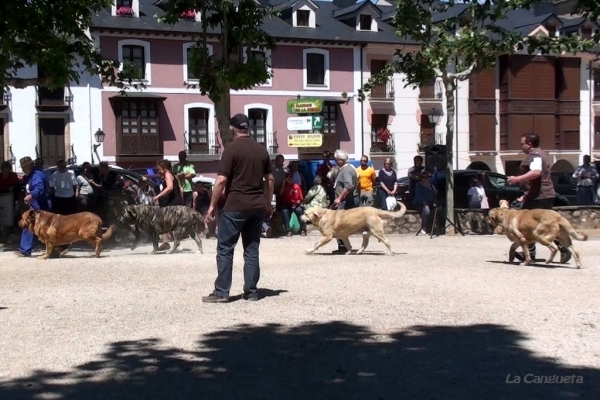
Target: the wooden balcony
pixel 567 140
pixel 431 93
pixel 430 139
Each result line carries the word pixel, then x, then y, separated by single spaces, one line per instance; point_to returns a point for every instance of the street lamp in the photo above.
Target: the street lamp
pixel 434 117
pixel 99 136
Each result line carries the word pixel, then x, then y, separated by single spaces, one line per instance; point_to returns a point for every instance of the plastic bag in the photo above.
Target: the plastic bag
pixel 294 223
pixel 391 203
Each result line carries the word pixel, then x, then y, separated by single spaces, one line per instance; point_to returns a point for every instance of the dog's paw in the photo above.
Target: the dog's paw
pixel 308 251
pixel 42 257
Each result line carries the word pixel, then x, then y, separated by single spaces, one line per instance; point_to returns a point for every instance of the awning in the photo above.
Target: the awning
pixel 137 95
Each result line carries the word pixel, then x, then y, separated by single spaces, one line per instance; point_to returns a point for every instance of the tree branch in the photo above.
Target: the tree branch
pixel 462 75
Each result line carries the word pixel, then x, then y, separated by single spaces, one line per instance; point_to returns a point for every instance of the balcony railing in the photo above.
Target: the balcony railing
pixel 431 92
pixel 429 139
pixel 203 143
pixel 53 99
pixel 269 140
pixel 383 92
pixel 379 146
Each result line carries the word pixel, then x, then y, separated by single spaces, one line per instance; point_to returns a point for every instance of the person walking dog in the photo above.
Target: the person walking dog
pixel 535 177
pixel 37 199
pixel 243 166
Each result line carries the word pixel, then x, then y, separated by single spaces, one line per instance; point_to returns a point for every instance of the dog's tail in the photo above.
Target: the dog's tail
pixel 394 214
pixel 201 222
pixel 109 232
pixel 564 224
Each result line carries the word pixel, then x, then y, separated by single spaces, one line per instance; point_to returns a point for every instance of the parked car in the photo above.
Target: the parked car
pixel 495 184
pixel 565 185
pixel 150 173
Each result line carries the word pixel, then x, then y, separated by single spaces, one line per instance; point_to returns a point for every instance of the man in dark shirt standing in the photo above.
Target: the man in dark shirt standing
pixel 535 178
pixel 243 166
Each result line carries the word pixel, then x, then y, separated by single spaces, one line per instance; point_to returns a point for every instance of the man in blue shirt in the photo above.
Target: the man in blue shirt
pixel 37 198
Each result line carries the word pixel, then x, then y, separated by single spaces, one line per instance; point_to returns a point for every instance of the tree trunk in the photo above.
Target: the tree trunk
pixel 222 112
pixel 450 84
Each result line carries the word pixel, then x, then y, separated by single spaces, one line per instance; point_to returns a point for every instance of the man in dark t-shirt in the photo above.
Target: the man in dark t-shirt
pixel 535 179
pixel 243 166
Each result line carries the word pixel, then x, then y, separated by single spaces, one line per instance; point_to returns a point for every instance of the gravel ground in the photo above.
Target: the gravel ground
pixel 445 318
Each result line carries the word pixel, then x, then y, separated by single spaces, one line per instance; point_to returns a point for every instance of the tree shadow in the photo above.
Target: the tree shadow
pixel 333 360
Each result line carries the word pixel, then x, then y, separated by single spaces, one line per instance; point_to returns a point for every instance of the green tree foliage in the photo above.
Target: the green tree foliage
pixel 452 48
pixel 54 36
pixel 237 27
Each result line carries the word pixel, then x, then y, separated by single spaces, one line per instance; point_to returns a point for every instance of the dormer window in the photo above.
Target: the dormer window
pixel 302 18
pixel 365 22
pixel 125 8
pixel 551 30
pixel 586 32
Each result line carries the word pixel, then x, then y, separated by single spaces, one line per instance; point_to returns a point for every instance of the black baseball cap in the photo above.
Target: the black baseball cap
pixel 239 121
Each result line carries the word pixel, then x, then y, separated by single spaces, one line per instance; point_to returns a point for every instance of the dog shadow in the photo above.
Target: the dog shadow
pixel 262 293
pixel 364 253
pixel 537 263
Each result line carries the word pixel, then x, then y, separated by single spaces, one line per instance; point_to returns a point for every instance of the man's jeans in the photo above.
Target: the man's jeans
pixel 347 204
pixel 366 199
pixel 28 239
pixel 585 195
pixel 287 215
pixel 232 224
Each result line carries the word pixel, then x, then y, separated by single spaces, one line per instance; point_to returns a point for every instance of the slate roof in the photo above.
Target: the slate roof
pixel 329 28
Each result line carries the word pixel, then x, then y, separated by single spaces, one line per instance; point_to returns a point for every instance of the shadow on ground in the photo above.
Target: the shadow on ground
pixel 315 361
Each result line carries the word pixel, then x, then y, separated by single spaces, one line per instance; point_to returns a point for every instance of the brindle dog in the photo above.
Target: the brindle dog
pixel 155 221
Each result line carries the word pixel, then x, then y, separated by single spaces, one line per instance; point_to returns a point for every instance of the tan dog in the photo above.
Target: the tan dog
pixel 55 230
pixel 523 227
pixel 340 224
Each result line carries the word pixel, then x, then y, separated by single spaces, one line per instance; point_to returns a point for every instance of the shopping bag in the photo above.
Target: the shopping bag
pixel 391 203
pixel 294 223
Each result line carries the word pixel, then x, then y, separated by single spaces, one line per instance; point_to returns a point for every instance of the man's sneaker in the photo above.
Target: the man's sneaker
pixel 565 257
pixel 250 296
pixel 213 298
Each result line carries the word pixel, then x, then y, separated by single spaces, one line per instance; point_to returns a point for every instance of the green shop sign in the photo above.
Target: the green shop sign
pixel 304 106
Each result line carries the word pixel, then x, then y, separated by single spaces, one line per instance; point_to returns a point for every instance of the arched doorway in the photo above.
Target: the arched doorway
pixel 479 165
pixel 563 166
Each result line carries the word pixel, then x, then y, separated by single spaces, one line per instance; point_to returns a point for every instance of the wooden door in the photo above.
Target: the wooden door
pixel 51 140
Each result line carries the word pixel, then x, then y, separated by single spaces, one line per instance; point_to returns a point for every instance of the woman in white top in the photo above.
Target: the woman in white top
pixel 477 196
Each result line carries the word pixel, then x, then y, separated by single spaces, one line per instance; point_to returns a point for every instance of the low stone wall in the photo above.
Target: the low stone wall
pixel 477 221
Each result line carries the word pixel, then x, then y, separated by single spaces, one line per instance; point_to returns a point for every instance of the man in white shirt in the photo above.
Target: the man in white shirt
pixel 586 176
pixel 63 186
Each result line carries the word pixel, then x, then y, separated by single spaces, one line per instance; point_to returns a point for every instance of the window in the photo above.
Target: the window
pixel 124 3
pixel 329 115
pixel 188 53
pixel 137 54
pixel 365 22
pixel 264 55
pixel 258 125
pixel 198 130
pixel 551 30
pixel 586 32
pixel 302 18
pixel 137 126
pixel 316 69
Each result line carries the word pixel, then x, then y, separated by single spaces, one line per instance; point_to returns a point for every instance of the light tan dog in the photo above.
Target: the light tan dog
pixel 340 224
pixel 55 230
pixel 523 227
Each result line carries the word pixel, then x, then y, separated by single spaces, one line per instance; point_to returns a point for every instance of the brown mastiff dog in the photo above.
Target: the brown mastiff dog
pixel 528 226
pixel 340 224
pixel 56 230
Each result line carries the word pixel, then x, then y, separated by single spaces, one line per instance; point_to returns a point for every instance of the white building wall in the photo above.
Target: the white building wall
pixel 406 124
pixel 84 118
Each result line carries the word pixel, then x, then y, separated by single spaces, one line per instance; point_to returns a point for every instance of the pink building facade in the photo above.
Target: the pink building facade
pixel 168 116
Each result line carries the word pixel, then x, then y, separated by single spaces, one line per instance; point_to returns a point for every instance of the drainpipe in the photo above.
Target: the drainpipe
pixel 90 117
pixel 456 111
pixel 591 96
pixel 362 104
